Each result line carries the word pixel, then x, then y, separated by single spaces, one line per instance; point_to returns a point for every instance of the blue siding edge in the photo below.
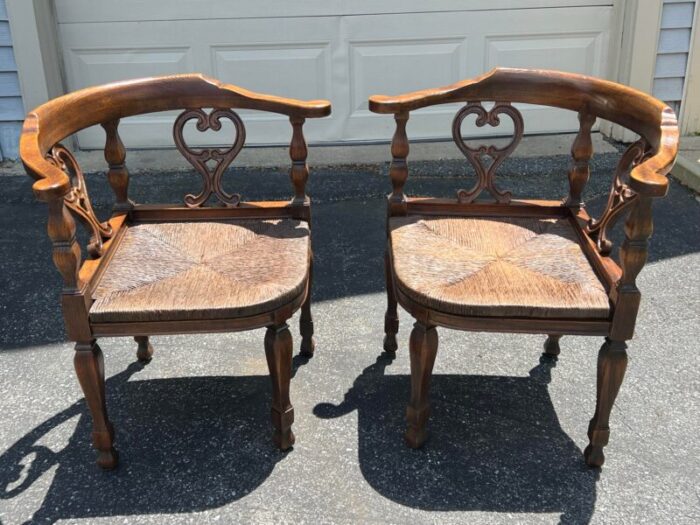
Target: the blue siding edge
pixel 9 139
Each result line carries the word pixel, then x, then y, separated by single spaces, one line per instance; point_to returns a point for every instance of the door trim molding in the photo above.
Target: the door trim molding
pixel 632 56
pixel 37 50
pixel 690 106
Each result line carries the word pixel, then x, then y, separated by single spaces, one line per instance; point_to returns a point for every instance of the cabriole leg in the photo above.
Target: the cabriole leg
pixel 551 345
pixel 278 350
pixel 423 348
pixel 144 353
pixel 612 363
pixel 391 318
pixel 306 322
pixel 89 366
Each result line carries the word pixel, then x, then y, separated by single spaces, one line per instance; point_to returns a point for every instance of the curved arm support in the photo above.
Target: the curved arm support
pixel 51 182
pixel 649 177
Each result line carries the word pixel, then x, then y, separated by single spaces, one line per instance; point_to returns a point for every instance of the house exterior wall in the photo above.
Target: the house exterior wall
pixel 673 51
pixel 62 45
pixel 11 108
pixel 345 53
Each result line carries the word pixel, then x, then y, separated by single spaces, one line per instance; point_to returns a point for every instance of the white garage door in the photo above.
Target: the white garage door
pixel 340 50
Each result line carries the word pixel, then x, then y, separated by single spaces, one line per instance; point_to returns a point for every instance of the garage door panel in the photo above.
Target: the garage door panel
pixel 82 11
pixel 283 62
pixel 483 40
pixel 97 66
pixel 565 52
pixel 381 66
pixel 341 58
pixel 392 54
pixel 304 70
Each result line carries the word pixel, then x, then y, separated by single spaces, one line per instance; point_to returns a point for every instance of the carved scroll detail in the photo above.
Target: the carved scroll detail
pixel 78 201
pixel 199 157
pixel 620 198
pixel 486 173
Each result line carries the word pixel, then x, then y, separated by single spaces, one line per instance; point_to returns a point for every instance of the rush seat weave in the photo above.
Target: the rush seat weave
pixel 203 270
pixel 506 267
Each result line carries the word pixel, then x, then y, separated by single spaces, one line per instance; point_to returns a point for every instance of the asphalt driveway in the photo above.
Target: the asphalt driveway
pixel 508 428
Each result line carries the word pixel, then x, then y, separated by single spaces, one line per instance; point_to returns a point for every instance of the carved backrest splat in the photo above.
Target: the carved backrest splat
pixel 581 153
pixel 620 198
pixel 199 157
pixel 486 173
pixel 78 201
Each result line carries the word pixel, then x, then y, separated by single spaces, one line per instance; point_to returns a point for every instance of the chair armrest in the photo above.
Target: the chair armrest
pixel 427 97
pixel 649 177
pixel 51 182
pixel 287 106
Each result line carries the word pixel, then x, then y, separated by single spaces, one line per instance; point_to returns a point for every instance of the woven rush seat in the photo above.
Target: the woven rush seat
pixel 175 271
pixel 506 267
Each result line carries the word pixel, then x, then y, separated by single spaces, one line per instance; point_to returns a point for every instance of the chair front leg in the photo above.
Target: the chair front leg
pixel 278 350
pixel 391 318
pixel 306 322
pixel 144 353
pixel 423 348
pixel 89 366
pixel 612 363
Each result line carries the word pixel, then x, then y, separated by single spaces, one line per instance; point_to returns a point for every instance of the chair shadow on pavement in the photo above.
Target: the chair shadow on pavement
pixel 186 444
pixel 495 445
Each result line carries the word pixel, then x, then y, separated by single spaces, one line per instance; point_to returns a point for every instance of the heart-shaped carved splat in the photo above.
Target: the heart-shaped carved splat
pixel 200 157
pixel 486 173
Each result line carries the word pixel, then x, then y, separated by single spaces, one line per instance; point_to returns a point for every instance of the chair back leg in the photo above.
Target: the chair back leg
pixel 144 353
pixel 306 322
pixel 551 345
pixel 391 318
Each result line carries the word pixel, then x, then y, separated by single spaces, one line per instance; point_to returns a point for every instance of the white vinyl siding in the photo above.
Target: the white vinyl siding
pixel 673 49
pixel 11 109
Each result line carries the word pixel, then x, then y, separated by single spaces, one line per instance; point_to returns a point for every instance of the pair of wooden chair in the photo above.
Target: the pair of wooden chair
pixel 487 265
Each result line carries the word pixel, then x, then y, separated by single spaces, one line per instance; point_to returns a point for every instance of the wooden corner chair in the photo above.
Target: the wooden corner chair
pixel 528 266
pixel 181 268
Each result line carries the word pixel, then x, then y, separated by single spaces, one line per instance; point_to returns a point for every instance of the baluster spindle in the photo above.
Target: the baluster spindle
pixel 398 171
pixel 581 152
pixel 118 175
pixel 300 170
